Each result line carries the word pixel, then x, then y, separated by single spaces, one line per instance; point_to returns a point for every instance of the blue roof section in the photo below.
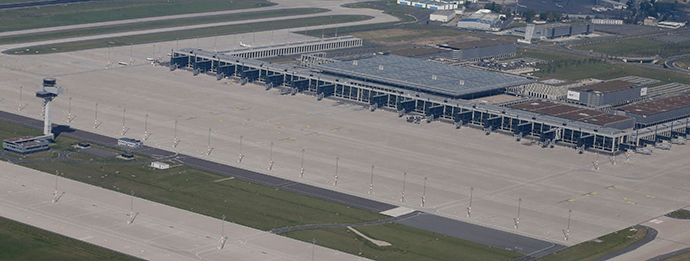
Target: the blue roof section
pixel 425 76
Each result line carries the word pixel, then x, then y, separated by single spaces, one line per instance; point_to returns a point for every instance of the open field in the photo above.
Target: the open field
pixel 187 34
pixel 597 248
pixel 242 202
pixel 599 70
pixel 426 246
pixel 29 18
pixel 157 24
pixel 23 242
pixel 638 47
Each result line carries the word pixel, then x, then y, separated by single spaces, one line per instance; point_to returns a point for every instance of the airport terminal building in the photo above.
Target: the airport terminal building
pixel 443 92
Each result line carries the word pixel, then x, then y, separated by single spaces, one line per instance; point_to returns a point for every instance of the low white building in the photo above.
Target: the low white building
pixel 431 4
pixel 443 16
pixel 607 21
pixel 160 165
pixel 132 143
pixel 481 20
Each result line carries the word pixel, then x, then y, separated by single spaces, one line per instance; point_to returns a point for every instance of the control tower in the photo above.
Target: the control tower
pixel 48 92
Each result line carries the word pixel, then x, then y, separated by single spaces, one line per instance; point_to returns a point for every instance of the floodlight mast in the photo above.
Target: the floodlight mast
pixel 48 92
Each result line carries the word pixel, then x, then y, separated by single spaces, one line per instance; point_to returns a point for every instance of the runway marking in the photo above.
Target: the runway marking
pixel 650 196
pixel 590 194
pixel 656 221
pixel 632 203
pixel 611 187
pixel 219 180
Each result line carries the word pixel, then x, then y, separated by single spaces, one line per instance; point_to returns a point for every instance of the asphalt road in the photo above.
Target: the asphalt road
pixel 455 228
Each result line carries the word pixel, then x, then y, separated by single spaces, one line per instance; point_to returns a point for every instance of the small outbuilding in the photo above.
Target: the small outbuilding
pixel 160 165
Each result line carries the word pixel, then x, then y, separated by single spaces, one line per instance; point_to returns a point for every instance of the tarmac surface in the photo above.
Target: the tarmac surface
pixel 672 236
pixel 549 181
pixel 159 232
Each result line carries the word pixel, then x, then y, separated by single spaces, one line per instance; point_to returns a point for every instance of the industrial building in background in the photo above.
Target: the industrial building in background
pixel 443 16
pixel 556 30
pixel 482 19
pixel 432 4
pixel 610 93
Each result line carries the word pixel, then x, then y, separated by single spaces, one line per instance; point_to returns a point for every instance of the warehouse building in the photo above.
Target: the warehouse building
pixel 481 49
pixel 611 93
pixel 28 144
pixel 557 30
pixel 443 16
pixel 658 111
pixel 483 19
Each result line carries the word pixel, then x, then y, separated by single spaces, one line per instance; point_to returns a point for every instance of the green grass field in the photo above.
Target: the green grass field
pixel 186 34
pixel 602 71
pixel 638 47
pixel 683 214
pixel 242 202
pixel 23 242
pixel 593 249
pixel 425 246
pixel 101 11
pixel 157 24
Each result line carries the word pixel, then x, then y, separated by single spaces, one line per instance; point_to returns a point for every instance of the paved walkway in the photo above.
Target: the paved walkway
pixel 159 232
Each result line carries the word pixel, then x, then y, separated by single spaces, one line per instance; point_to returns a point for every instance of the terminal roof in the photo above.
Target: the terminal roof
pixel 605 87
pixel 570 112
pixel 658 106
pixel 424 76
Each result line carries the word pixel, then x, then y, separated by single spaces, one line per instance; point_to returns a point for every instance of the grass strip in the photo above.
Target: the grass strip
pixel 157 24
pixel 23 242
pixel 599 247
pixel 186 34
pixel 408 243
pixel 102 11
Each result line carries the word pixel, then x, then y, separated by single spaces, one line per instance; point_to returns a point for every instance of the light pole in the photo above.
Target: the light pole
pixel 567 231
pixel 222 234
pixel 146 127
pixel 469 209
pixel 270 158
pixel 175 138
pixel 123 121
pixel 301 172
pixel 131 209
pixel 69 110
pixel 371 186
pixel 517 220
pixel 424 194
pixel 403 190
pixel 20 98
pixel 313 246
pixel 239 159
pixel 95 121
pixel 56 190
pixel 335 183
pixel 209 142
